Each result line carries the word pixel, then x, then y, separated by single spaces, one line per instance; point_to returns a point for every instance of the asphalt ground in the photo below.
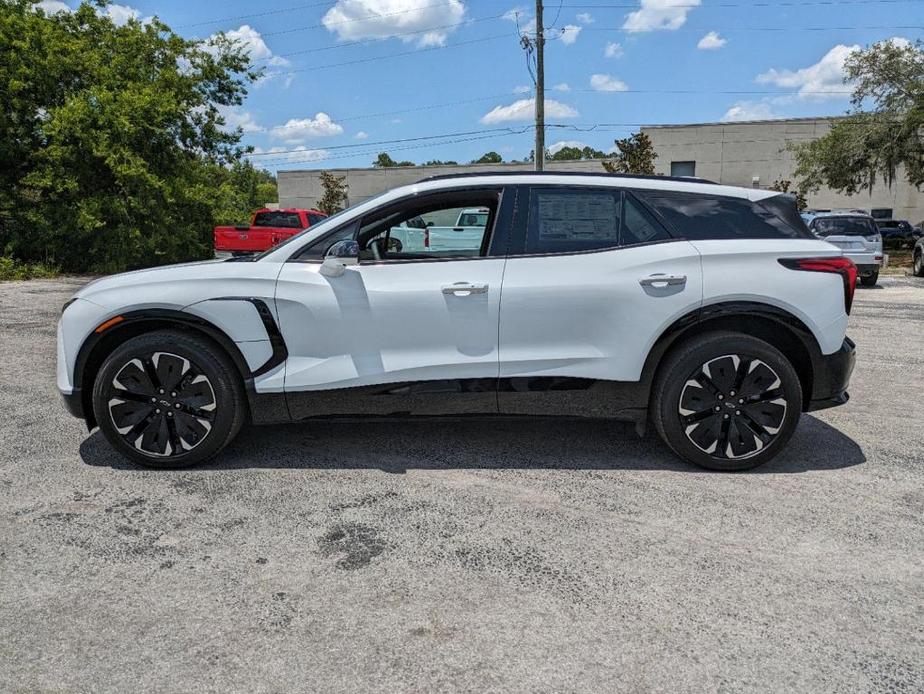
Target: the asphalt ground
pixel 465 555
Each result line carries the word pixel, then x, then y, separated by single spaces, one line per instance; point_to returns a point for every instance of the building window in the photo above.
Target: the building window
pixel 683 168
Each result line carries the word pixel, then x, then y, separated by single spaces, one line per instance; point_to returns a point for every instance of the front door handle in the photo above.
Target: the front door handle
pixel 464 289
pixel 661 281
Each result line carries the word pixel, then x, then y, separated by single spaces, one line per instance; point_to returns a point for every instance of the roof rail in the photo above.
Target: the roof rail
pixel 472 174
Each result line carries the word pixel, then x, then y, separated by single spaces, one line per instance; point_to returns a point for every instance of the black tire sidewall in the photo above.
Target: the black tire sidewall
pixel 691 355
pixel 210 359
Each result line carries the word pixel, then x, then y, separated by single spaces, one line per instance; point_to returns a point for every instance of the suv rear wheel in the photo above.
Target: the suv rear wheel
pixel 726 401
pixel 918 263
pixel 870 280
pixel 167 399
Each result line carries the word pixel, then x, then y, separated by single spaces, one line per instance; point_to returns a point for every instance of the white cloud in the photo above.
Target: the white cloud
pixel 750 110
pixel 607 83
pixel 827 75
pixel 363 19
pixel 121 14
pixel 655 15
pixel 585 18
pixel 561 144
pixel 711 42
pixel 524 110
pixel 613 50
pixel 53 6
pixel 514 14
pixel 301 129
pixel 254 45
pixel 562 87
pixel 361 135
pixel 236 118
pixel 522 89
pixel 569 34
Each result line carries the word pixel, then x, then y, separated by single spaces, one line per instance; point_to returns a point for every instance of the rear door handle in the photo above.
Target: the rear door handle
pixel 464 289
pixel 659 281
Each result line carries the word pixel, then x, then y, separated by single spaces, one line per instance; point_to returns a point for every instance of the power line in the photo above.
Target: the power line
pixel 257 14
pixel 415 51
pixel 506 130
pixel 786 28
pixel 706 6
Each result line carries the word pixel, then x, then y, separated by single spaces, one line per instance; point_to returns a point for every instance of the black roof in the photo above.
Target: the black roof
pixel 685 179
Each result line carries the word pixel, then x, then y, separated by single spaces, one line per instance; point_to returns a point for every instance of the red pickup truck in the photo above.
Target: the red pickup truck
pixel 267 228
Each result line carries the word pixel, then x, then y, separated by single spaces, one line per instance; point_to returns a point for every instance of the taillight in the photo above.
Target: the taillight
pixel 426 238
pixel 841 266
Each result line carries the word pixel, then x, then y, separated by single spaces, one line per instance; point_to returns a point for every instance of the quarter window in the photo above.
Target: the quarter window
pixel 699 217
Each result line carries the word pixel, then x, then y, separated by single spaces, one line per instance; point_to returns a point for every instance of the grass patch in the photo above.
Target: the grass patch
pixel 11 269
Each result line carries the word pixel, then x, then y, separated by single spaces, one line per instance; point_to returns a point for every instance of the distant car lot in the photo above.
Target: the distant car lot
pixel 514 555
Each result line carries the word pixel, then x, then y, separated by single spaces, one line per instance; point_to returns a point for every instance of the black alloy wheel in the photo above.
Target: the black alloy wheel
pixel 726 401
pixel 162 404
pixel 732 406
pixel 169 399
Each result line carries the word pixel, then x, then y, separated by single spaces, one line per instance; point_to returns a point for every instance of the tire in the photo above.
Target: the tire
pixel 918 264
pixel 719 370
pixel 167 399
pixel 870 280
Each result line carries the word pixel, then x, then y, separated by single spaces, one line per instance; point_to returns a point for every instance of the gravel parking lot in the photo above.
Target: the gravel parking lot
pixel 465 555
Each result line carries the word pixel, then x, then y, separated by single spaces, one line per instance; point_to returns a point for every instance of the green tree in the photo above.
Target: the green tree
pixel 240 190
pixel 488 158
pixel 335 189
pixel 784 185
pixel 576 154
pixel 635 155
pixel 437 162
pixel 884 129
pixel 384 161
pixel 111 137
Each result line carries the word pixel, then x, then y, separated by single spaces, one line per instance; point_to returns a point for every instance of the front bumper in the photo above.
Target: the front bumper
pixel 832 376
pixel 74 403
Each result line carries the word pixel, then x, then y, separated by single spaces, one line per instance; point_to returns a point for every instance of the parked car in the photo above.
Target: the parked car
pixel 707 311
pixel 422 233
pixel 267 228
pixel 896 233
pixel 917 257
pixel 857 235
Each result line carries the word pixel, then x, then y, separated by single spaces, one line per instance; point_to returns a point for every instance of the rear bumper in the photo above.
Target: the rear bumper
pixel 832 376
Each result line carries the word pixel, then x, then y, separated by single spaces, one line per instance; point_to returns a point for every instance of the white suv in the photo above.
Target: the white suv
pixel 709 311
pixel 856 234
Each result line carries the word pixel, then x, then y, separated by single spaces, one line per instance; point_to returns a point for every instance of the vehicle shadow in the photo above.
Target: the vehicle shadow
pixel 396 445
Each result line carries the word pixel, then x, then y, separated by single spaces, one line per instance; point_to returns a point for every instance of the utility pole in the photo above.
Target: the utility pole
pixel 540 90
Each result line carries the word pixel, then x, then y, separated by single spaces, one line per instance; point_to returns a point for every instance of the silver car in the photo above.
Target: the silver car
pixel 857 235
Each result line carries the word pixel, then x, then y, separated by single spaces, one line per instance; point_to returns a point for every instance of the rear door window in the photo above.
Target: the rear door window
pixel 845 226
pixel 569 221
pixel 699 217
pixel 285 220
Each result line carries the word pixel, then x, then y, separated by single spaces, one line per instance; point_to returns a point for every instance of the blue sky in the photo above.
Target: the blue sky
pixel 345 75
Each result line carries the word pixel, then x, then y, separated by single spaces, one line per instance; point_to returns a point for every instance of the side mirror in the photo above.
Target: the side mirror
pixel 430 224
pixel 338 257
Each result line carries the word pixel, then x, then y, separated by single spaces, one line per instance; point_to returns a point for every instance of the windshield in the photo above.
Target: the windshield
pixel 845 226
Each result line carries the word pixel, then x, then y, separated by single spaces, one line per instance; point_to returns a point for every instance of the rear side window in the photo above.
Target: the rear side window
pixel 700 217
pixel 285 220
pixel 575 220
pixel 845 226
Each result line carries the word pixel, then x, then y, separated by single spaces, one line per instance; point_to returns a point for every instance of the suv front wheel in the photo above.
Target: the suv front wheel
pixel 726 401
pixel 168 399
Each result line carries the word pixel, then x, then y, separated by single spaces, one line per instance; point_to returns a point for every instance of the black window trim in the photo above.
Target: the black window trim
pixel 499 235
pixel 522 221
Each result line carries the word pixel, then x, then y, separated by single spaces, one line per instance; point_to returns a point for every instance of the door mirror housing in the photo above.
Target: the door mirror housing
pixel 339 256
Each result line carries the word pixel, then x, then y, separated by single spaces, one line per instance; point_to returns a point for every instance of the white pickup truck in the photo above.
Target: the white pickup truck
pixel 423 235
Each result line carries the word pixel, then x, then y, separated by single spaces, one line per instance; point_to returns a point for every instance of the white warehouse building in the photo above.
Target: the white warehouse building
pixel 751 154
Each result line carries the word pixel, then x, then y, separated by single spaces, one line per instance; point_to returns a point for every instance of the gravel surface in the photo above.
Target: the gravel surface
pixel 465 555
